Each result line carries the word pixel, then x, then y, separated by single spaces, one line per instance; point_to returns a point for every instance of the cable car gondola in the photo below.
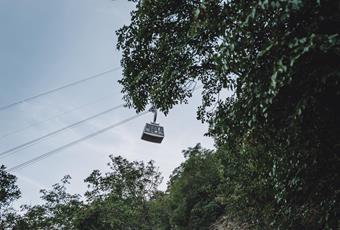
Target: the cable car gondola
pixel 153 132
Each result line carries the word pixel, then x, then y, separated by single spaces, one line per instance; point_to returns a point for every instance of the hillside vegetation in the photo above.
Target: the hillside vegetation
pixel 277 133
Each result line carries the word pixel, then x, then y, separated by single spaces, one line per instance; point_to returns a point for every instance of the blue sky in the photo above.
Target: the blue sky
pixel 46 44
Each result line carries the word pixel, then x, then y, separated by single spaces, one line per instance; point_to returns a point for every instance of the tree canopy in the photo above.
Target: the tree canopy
pixel 9 192
pixel 118 199
pixel 280 62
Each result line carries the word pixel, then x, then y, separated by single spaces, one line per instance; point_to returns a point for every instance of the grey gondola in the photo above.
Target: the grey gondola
pixel 153 132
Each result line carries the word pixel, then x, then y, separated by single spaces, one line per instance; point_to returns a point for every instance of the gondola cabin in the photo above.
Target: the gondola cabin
pixel 153 132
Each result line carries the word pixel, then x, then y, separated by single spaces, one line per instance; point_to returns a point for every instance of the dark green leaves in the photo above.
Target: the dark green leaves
pixel 280 59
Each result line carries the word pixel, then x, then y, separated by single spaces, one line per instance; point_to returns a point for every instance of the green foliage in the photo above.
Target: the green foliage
pixel 165 48
pixel 247 191
pixel 124 198
pixel 9 192
pixel 277 163
pixel 8 189
pixel 193 190
pixel 57 212
pixel 160 212
pixel 278 133
pixel 119 199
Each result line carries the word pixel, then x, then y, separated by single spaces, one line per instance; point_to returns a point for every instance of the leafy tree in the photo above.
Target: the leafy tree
pixel 119 199
pixel 248 190
pixel 251 45
pixel 280 59
pixel 160 212
pixel 57 212
pixel 166 48
pixel 194 190
pixel 9 192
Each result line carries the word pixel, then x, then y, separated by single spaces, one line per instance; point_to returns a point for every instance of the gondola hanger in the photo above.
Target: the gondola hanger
pixel 153 132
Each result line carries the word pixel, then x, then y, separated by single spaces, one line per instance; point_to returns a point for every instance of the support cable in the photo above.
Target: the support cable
pixel 50 118
pixel 50 153
pixel 34 141
pixel 57 89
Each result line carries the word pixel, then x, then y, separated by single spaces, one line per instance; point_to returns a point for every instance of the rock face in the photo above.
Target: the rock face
pixel 227 223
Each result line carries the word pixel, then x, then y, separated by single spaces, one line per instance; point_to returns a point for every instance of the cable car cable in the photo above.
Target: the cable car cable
pixel 50 153
pixel 57 89
pixel 51 118
pixel 34 141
